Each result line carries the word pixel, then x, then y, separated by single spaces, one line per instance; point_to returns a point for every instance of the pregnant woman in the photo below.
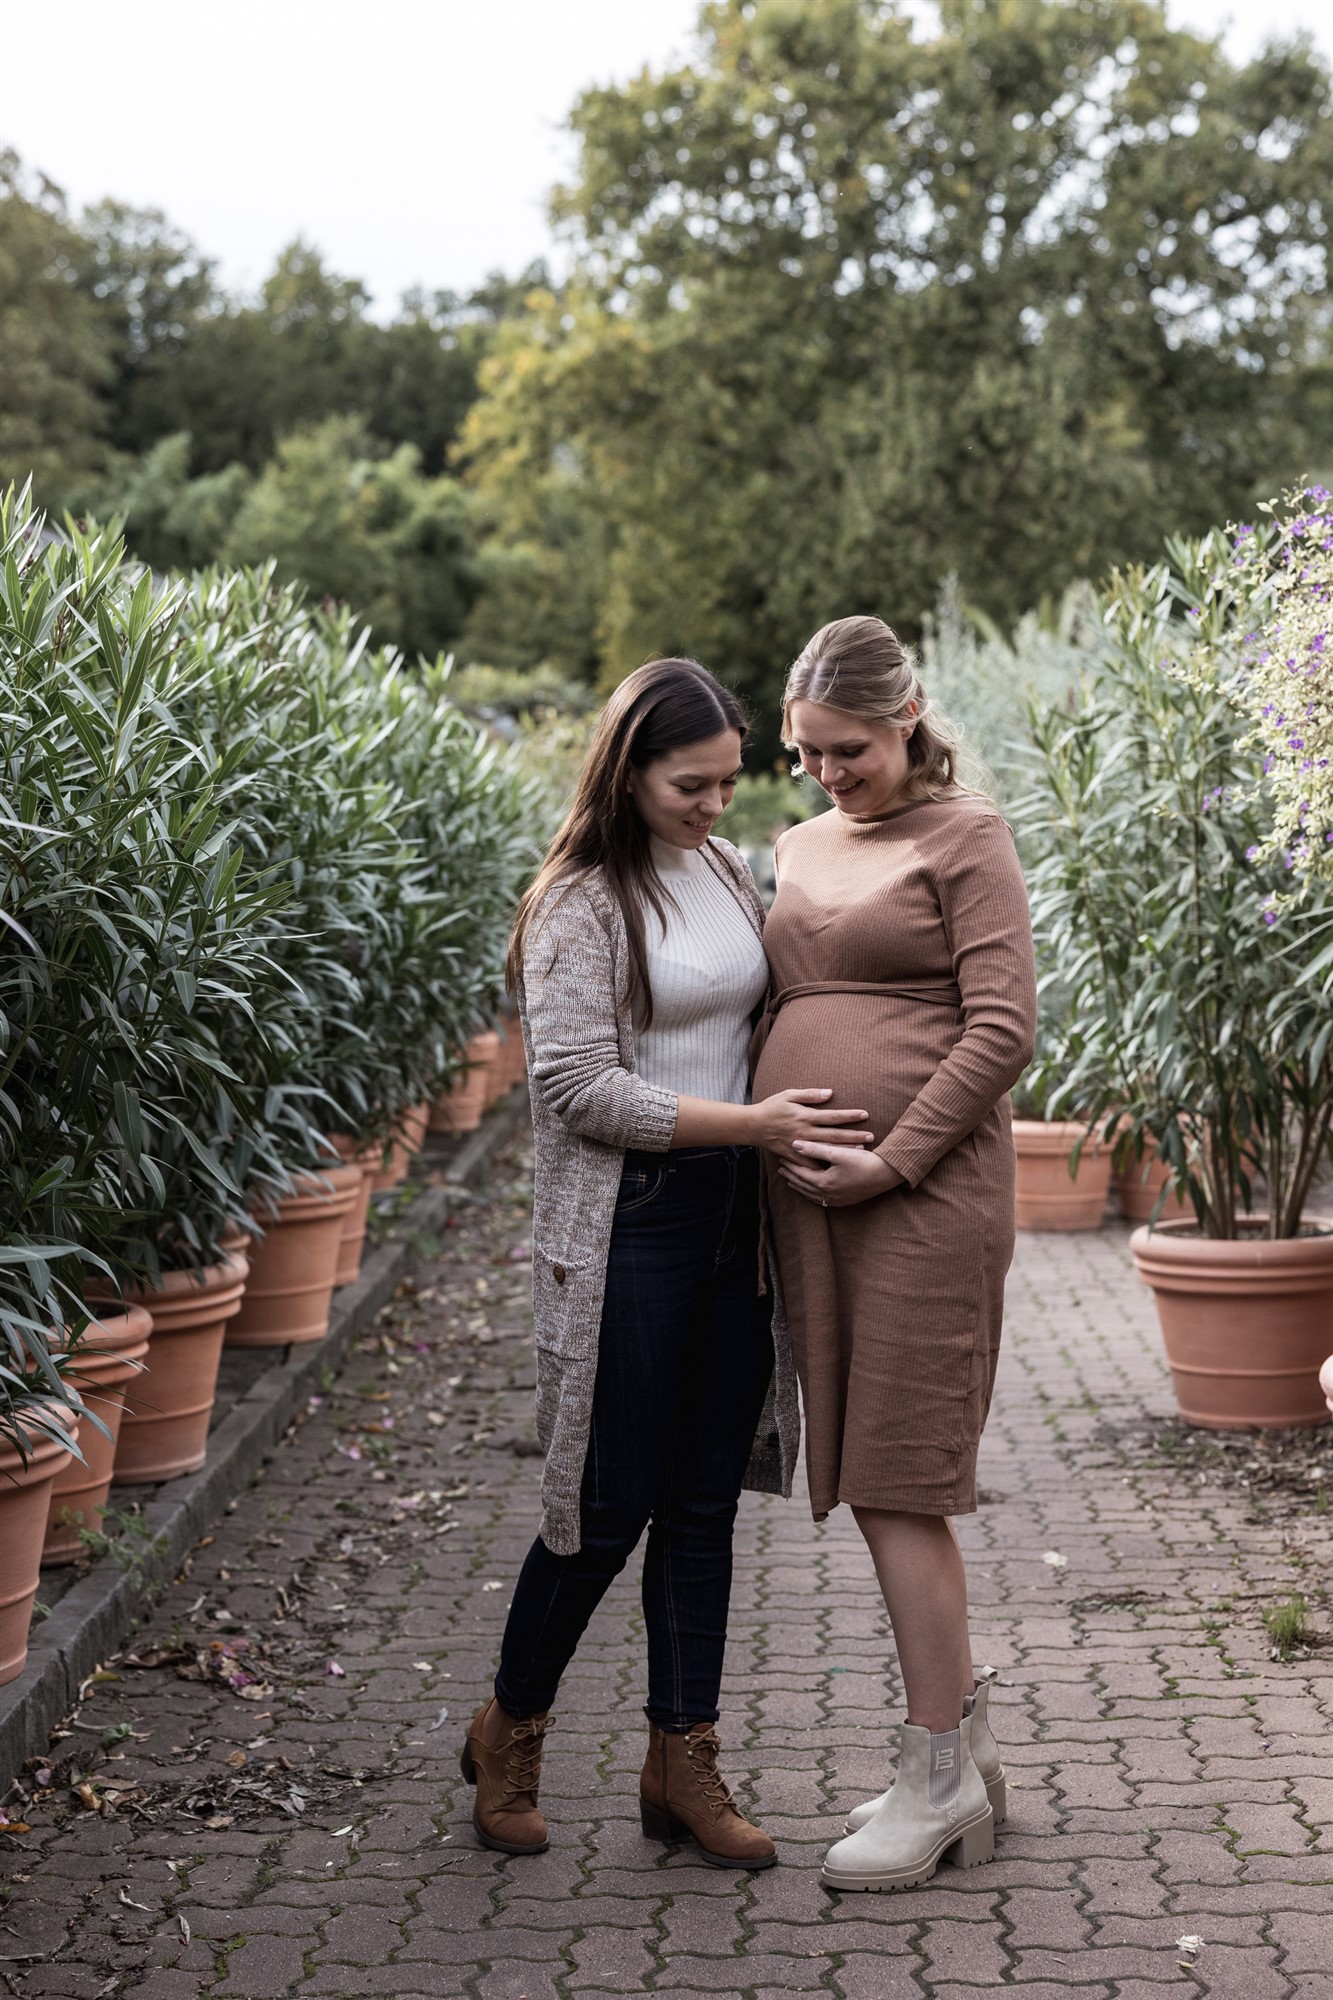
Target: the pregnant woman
pixel 660 1386
pixel 903 975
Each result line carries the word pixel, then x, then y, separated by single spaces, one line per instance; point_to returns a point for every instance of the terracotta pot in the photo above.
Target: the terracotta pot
pixel 164 1431
pixel 25 1501
pixel 461 1107
pixel 408 1140
pixel 352 1242
pixel 294 1264
pixel 1046 1197
pixel 1137 1184
pixel 1246 1323
pixel 107 1361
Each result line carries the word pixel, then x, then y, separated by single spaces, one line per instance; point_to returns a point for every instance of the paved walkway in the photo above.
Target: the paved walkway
pixel 304 1831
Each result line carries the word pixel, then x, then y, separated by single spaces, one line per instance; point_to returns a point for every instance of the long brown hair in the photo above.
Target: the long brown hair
pixel 657 708
pixel 861 665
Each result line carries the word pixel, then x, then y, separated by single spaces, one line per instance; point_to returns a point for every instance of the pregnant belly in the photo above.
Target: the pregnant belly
pixel 875 1053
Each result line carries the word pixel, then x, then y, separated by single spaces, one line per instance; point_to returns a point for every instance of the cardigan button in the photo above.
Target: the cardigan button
pixel 558 1273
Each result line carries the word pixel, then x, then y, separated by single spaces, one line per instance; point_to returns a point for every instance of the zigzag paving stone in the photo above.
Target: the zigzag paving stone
pixel 281 1812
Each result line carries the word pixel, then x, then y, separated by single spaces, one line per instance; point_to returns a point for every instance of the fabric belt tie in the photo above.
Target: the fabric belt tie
pixel 932 992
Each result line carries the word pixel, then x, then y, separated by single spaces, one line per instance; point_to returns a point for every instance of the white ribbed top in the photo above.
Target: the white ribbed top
pixel 709 974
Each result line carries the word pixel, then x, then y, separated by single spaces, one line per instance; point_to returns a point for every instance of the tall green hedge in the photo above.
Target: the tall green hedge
pixel 254 886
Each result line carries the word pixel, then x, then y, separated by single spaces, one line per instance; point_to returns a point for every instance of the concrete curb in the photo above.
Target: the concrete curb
pixel 95 1617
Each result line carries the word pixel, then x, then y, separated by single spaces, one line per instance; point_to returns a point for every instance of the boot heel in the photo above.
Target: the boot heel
pixel 996 1794
pixel 466 1765
pixel 659 1825
pixel 974 1845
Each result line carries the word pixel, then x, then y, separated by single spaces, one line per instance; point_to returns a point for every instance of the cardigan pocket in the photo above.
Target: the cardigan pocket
pixel 566 1300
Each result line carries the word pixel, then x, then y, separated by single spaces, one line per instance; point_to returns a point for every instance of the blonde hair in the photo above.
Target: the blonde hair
pixel 861 666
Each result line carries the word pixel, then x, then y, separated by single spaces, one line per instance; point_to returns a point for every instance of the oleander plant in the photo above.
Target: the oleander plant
pixel 1191 1025
pixel 255 882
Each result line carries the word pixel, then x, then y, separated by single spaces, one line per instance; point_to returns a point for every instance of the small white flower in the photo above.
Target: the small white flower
pixel 1054 1560
pixel 1190 1944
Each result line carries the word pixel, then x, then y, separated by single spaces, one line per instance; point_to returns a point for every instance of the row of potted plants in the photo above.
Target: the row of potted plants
pixel 255 881
pixel 148 1362
pixel 1188 1023
pixel 1065 1178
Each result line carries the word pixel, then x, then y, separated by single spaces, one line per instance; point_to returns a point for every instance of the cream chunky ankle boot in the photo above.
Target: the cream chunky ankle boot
pixel 937 1810
pixel 985 1755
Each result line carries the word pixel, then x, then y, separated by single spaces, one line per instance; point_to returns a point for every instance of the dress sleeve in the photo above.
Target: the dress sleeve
pixel 984 908
pixel 569 996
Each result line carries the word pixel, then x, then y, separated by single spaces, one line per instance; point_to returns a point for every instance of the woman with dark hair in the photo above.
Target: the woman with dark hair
pixel 902 967
pixel 662 1384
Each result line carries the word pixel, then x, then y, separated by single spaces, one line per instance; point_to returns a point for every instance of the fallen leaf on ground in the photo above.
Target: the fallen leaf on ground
pixel 158 1656
pixel 1054 1560
pixel 439 1722
pixel 123 1896
pixel 237 1760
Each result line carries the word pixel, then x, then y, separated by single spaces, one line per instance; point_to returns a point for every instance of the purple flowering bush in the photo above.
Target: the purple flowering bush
pixel 1185 1007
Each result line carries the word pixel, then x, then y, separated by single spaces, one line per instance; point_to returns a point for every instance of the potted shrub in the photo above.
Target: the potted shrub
pixel 143 963
pixel 1144 1184
pixel 1193 1016
pixel 104 1361
pixel 1063 1169
pixel 40 1409
pixel 474 821
pixel 322 821
pixel 473 1090
pixel 404 836
pixel 31 1456
pixel 352 1240
pixel 294 1265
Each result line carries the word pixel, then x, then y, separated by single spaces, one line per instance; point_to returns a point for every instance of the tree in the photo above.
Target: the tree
pixel 856 306
pixel 250 374
pixel 419 375
pixel 55 350
pixel 155 291
pixel 171 521
pixel 367 529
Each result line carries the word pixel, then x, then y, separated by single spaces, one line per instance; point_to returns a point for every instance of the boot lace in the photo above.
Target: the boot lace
pixel 701 1748
pixel 523 1766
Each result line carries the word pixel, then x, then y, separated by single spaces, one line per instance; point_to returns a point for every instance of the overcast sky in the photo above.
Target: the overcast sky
pixel 412 140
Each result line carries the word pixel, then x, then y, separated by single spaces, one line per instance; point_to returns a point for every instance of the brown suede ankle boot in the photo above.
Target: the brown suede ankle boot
pixel 683 1796
pixel 503 1759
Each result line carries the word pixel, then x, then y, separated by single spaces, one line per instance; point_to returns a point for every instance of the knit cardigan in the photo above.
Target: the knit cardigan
pixel 589 1104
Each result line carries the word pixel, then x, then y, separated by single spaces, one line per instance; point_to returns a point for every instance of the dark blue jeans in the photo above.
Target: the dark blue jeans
pixel 683 1365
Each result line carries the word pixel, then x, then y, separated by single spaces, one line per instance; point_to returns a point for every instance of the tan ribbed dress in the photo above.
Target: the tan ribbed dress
pixel 919 922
